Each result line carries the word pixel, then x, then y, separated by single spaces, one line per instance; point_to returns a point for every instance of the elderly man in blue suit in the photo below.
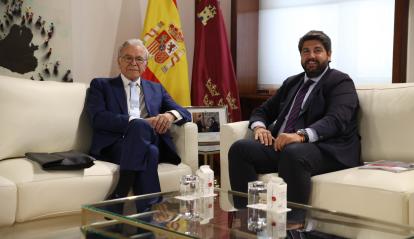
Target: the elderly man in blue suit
pixel 130 117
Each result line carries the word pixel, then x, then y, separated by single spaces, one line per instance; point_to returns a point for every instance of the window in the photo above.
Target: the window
pixel 361 32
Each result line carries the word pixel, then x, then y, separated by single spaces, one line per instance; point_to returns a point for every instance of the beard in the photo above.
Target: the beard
pixel 316 71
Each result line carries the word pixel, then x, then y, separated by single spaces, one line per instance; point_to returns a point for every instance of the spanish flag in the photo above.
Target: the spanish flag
pixel 163 37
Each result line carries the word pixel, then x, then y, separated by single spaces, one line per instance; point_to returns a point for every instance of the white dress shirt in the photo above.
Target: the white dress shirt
pixel 144 112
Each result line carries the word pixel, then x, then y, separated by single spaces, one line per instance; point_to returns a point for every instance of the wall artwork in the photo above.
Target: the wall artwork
pixel 36 39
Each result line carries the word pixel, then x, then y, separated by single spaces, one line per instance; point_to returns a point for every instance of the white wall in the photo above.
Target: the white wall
pixel 100 26
pixel 410 50
pixel 94 33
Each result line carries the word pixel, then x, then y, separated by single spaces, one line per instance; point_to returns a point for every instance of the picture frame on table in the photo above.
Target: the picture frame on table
pixel 209 120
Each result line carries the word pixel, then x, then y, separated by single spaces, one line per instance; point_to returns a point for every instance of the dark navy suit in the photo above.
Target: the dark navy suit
pixel 330 109
pixel 134 145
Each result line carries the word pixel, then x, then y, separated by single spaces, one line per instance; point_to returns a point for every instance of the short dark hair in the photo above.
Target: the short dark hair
pixel 316 35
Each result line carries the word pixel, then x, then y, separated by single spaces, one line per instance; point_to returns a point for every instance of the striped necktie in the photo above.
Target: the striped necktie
pixel 142 108
pixel 297 105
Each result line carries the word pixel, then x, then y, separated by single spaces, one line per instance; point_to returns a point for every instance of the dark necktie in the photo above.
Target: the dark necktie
pixel 297 105
pixel 142 109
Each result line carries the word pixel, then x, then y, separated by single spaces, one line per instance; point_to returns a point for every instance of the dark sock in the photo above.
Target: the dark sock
pixel 126 179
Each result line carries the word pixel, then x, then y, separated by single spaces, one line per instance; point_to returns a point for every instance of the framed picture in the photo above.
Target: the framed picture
pixel 209 119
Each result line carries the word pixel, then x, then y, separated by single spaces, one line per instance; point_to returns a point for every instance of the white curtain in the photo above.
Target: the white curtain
pixel 361 32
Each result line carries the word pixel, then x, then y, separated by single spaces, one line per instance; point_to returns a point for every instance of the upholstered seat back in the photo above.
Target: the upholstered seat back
pixel 42 116
pixel 386 121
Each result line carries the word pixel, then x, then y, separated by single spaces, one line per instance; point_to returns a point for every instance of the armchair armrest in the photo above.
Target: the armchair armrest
pixel 229 134
pixel 186 141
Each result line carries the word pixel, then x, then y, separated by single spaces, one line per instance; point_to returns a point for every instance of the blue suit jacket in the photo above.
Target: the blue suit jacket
pixel 108 112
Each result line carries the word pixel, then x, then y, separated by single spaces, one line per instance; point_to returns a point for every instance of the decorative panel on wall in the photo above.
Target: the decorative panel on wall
pixel 36 39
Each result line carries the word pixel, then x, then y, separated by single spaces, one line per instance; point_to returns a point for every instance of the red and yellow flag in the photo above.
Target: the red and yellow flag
pixel 167 62
pixel 214 80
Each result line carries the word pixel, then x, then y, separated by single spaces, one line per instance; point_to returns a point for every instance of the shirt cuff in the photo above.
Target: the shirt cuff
pixel 257 123
pixel 177 115
pixel 313 135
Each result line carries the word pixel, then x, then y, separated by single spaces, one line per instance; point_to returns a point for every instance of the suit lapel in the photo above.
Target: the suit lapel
pixel 291 95
pixel 120 95
pixel 314 91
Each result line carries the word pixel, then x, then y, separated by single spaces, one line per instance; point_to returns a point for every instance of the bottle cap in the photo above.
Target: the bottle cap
pixel 205 169
pixel 275 179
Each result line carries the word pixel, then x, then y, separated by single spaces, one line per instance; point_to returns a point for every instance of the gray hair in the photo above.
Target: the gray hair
pixel 133 42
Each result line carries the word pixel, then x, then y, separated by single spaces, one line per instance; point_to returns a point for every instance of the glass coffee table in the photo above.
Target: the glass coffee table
pixel 175 217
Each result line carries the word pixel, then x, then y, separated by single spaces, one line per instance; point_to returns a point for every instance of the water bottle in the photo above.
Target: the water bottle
pixel 276 225
pixel 276 195
pixel 206 177
pixel 206 210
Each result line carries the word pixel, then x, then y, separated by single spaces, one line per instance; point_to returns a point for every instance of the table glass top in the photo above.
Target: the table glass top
pixel 202 217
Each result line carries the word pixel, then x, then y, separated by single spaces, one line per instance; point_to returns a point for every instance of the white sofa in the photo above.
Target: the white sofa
pixel 48 117
pixel 387 133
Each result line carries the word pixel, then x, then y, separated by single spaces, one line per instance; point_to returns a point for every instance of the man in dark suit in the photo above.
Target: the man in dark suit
pixel 130 117
pixel 314 119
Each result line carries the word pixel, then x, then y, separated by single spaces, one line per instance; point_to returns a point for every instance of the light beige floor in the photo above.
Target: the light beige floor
pixel 67 227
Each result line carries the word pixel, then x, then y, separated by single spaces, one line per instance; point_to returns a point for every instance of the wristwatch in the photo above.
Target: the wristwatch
pixel 304 133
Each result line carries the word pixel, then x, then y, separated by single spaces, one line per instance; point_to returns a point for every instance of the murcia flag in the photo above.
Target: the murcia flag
pixel 167 62
pixel 214 80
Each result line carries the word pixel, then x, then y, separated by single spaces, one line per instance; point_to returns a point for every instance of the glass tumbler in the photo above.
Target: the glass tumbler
pixel 189 186
pixel 257 193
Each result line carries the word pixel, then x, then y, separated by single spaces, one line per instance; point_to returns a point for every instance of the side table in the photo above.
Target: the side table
pixel 208 151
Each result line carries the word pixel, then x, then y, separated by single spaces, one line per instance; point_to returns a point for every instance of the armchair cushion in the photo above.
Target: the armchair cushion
pixel 352 190
pixel 51 193
pixel 8 195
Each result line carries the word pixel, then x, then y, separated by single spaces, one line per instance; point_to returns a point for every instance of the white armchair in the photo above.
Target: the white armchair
pixel 386 129
pixel 229 134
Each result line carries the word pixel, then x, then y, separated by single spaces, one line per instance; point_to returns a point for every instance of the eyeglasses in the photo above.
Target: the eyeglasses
pixel 129 59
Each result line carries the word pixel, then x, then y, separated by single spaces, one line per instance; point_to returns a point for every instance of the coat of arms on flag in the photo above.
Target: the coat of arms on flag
pixel 165 44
